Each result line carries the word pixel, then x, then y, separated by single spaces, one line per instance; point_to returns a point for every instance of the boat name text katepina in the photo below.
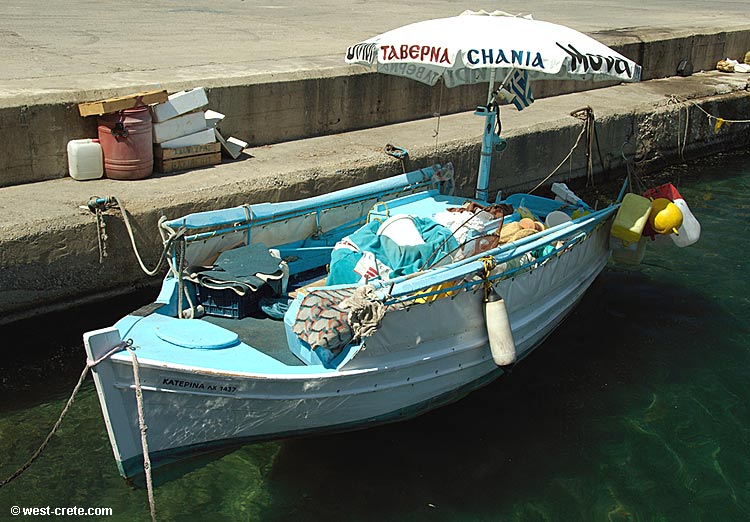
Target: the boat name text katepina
pixel 193 385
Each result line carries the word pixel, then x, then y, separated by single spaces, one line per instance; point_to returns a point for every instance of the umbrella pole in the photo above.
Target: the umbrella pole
pixel 485 160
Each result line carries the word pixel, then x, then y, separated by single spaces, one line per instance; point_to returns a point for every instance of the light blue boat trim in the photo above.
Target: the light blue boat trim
pixel 409 284
pixel 240 358
pixel 265 212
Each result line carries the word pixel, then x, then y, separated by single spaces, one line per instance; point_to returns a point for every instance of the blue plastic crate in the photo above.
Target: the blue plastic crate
pixel 226 303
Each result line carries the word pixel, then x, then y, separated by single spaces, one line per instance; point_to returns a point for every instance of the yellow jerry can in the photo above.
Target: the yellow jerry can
pixel 631 218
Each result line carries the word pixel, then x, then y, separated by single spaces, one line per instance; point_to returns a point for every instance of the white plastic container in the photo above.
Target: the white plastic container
pixel 556 217
pixel 401 229
pixel 85 159
pixel 690 230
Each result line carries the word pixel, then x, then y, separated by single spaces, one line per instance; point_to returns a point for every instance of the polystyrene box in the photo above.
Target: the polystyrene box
pixel 233 146
pixel 197 138
pixel 180 126
pixel 179 103
pixel 213 118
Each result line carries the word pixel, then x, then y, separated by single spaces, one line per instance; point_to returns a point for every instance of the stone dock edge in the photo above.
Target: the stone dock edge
pixel 49 247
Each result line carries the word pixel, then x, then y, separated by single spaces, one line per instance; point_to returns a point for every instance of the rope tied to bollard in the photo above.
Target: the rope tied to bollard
pixel 399 153
pixel 98 205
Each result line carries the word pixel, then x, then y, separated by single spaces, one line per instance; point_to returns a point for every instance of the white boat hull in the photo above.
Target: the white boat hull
pixel 420 358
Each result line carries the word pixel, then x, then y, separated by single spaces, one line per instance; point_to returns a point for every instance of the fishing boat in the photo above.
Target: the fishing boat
pixel 239 375
pixel 367 305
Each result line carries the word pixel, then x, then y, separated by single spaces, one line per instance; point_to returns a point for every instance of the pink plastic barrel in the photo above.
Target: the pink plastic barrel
pixel 126 140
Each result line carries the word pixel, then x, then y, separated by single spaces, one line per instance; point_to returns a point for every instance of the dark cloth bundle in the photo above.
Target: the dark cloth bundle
pixel 242 270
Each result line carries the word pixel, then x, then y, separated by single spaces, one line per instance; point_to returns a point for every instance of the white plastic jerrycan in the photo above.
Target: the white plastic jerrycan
pixel 85 159
pixel 690 230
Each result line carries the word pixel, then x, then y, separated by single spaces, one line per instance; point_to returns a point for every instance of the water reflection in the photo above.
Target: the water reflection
pixel 637 408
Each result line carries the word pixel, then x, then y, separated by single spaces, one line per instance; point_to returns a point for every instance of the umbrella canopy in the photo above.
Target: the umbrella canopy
pixel 475 46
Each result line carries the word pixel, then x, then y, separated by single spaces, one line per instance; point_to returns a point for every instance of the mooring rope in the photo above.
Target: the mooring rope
pixel 397 152
pixel 489 263
pixel 682 140
pixel 674 98
pixel 439 111
pixel 38 452
pixel 575 145
pixel 143 428
pixel 122 345
pixel 97 204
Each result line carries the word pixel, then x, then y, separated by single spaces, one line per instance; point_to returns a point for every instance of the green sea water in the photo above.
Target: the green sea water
pixel 636 409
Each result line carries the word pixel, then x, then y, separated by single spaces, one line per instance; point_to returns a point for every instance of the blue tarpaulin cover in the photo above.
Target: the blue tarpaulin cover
pixel 401 260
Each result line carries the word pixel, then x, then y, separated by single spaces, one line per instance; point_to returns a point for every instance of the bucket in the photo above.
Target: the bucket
pixel 85 159
pixel 126 140
pixel 556 217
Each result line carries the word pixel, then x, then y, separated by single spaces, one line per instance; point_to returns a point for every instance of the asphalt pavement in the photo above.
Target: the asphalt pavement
pixel 54 47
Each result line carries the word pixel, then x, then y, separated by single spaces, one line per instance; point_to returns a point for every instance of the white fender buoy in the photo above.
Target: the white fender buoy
pixel 502 345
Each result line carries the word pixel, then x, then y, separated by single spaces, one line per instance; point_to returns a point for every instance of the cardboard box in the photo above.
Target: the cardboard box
pixel 183 125
pixel 118 103
pixel 179 103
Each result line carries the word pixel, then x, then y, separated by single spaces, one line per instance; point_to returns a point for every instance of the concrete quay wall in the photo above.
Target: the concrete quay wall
pixel 48 244
pixel 326 98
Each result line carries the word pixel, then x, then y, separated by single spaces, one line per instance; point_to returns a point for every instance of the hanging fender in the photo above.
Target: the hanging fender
pixel 502 345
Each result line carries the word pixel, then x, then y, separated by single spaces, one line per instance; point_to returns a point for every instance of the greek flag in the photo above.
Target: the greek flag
pixel 520 87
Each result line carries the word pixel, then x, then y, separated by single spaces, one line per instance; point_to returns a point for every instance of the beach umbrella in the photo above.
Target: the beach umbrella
pixel 478 47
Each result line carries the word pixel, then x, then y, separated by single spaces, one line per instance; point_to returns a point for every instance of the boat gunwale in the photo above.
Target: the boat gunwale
pixel 327 373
